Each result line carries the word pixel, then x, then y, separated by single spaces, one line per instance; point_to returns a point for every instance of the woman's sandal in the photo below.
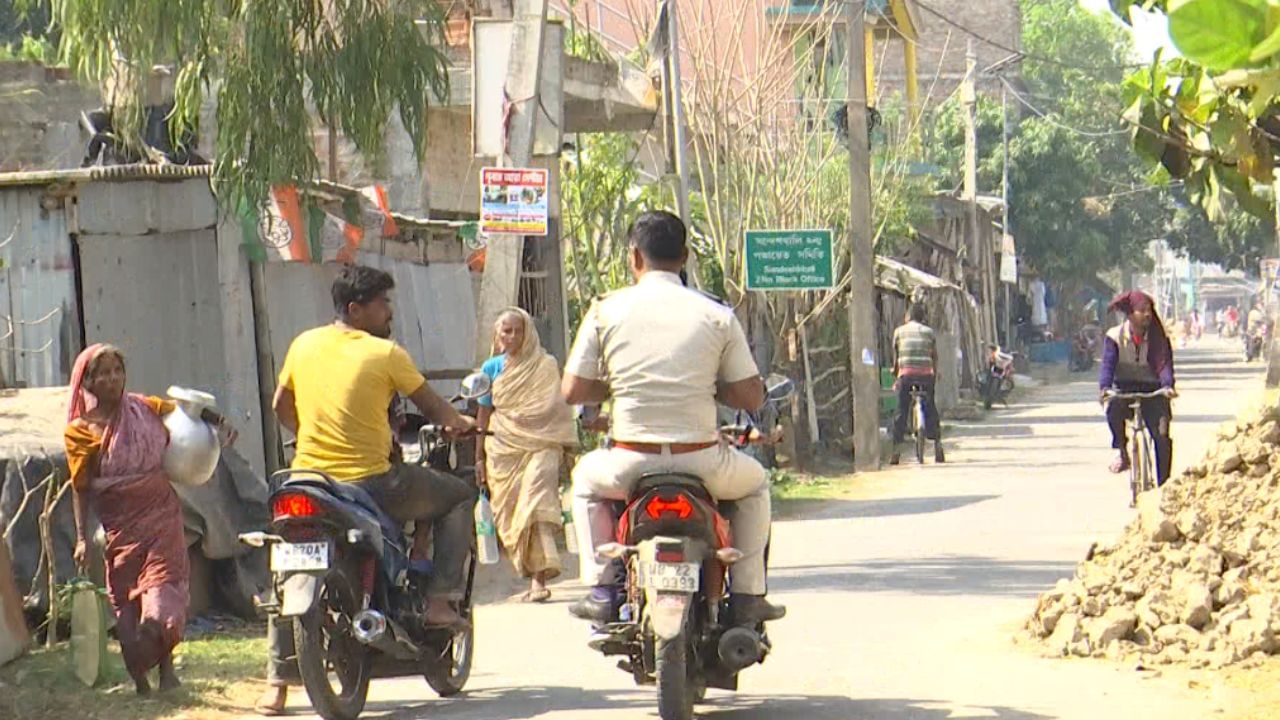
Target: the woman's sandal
pixel 538 596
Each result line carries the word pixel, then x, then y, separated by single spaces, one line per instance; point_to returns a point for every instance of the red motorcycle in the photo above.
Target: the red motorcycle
pixel 675 628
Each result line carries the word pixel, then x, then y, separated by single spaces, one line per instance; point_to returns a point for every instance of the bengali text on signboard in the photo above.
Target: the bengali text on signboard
pixel 513 201
pixel 789 260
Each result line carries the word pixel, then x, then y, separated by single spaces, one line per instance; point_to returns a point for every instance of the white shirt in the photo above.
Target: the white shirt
pixel 661 348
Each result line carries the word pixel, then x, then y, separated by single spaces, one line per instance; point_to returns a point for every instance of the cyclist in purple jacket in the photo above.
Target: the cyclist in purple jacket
pixel 1137 357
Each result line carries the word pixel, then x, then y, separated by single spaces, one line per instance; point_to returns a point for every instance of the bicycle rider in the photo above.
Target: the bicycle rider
pixel 915 359
pixel 1137 357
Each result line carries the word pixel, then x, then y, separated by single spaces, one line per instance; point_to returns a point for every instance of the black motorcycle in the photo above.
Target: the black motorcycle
pixel 675 628
pixel 342 576
pixel 995 382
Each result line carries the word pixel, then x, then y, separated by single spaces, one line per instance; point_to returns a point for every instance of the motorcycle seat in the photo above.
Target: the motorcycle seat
pixel 691 483
pixel 351 494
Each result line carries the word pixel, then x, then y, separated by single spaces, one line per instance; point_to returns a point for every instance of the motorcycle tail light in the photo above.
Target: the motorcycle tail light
pixel 295 506
pixel 659 506
pixel 669 556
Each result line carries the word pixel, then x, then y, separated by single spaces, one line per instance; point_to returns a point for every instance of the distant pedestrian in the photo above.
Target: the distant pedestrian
pixel 915 362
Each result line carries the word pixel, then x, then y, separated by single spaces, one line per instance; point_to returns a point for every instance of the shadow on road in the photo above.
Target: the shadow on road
pixel 832 707
pixel 522 703
pixel 890 507
pixel 943 575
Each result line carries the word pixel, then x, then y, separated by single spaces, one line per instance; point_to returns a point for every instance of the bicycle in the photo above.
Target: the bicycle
pixel 919 428
pixel 1141 448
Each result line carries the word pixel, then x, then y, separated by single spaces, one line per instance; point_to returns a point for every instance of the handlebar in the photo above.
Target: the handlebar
pixel 441 430
pixel 1115 395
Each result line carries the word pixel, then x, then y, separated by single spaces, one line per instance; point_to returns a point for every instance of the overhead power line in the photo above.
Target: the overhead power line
pixel 1028 56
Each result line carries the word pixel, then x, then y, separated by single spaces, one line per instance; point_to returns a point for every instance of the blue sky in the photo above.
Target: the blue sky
pixel 1150 31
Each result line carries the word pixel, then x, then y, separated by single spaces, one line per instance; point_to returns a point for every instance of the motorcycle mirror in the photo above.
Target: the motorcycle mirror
pixel 474 386
pixel 778 387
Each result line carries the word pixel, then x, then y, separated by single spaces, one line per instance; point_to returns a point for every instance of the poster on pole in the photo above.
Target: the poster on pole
pixel 1009 260
pixel 513 201
pixel 789 260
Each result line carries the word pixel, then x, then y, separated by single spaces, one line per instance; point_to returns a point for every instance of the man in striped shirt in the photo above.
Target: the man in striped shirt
pixel 915 357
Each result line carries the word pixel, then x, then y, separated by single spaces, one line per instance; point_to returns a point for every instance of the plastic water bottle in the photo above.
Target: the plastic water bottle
pixel 486 533
pixel 570 534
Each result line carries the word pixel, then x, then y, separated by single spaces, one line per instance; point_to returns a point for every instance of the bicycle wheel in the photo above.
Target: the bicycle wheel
pixel 920 429
pixel 1135 464
pixel 1145 460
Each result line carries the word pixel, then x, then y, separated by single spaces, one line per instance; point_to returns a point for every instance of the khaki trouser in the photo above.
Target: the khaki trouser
pixel 608 475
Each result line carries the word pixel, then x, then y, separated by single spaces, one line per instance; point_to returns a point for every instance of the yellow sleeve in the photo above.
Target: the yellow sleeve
pixel 82 454
pixel 405 377
pixel 286 371
pixel 160 406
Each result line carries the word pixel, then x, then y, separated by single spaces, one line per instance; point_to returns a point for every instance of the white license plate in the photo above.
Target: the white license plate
pixel 287 557
pixel 680 577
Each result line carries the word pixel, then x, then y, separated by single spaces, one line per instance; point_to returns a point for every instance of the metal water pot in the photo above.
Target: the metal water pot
pixel 193 452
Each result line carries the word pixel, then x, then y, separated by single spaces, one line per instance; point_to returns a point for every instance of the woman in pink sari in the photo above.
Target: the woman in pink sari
pixel 115 451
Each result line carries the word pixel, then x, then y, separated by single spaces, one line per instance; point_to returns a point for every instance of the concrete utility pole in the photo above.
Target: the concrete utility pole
pixel 1004 220
pixel 674 92
pixel 969 96
pixel 864 363
pixel 500 285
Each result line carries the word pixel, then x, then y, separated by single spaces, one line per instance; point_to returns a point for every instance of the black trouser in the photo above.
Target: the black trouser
pixel 1157 413
pixel 406 493
pixel 906 385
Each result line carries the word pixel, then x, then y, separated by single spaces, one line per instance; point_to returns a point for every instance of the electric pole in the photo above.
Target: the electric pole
pixel 675 116
pixel 504 256
pixel 969 96
pixel 864 360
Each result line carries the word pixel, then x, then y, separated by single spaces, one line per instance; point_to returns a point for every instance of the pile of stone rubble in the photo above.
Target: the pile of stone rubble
pixel 1196 577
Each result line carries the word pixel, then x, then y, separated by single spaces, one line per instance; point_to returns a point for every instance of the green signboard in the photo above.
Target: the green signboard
pixel 789 260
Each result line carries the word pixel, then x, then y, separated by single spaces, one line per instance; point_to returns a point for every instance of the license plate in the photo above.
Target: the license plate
pixel 680 577
pixel 286 557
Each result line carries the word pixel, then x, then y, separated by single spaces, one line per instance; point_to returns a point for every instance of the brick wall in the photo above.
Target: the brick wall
pixel 940 51
pixel 39 117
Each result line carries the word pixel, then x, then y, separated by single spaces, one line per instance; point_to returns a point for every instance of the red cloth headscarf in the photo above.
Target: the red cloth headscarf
pixel 1160 350
pixel 82 401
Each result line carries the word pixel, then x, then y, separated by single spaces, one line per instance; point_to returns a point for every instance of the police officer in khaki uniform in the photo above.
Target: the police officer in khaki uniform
pixel 666 354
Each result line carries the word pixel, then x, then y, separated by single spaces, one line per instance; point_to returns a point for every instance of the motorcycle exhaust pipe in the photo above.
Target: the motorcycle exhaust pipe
pixel 740 647
pixel 372 628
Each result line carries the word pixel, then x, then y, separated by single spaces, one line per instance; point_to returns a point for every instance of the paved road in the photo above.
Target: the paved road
pixel 902 605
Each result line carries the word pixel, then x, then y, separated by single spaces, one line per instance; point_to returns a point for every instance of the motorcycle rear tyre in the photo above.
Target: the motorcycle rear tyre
pixel 449 679
pixel 675 689
pixel 311 655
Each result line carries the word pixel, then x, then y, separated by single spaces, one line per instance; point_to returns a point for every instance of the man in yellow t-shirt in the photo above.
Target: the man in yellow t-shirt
pixel 334 392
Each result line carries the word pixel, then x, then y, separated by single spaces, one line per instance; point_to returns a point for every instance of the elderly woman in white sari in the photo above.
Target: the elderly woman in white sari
pixel 521 462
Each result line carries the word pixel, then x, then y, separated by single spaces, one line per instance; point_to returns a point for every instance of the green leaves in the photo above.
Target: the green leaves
pixel 1219 34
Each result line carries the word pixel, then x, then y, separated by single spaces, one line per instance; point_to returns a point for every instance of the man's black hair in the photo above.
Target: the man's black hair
pixel 659 235
pixel 917 312
pixel 359 284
